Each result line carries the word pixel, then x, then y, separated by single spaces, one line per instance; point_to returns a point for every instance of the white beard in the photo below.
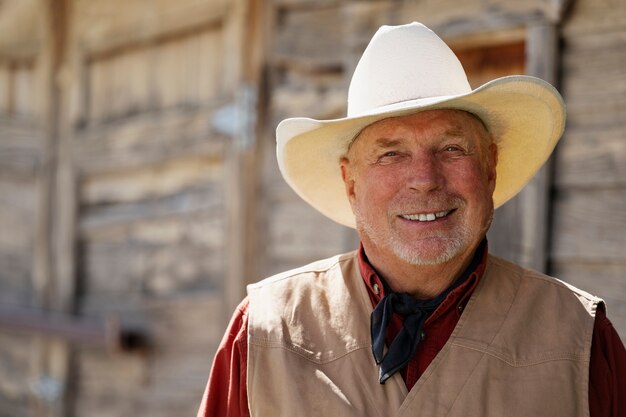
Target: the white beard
pixel 451 246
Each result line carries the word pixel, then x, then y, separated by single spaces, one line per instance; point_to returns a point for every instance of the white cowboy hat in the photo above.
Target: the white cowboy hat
pixel 406 69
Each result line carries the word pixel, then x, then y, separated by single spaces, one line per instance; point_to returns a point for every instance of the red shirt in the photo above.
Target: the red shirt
pixel 226 393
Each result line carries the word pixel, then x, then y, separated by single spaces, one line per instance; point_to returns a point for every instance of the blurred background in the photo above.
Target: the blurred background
pixel 139 192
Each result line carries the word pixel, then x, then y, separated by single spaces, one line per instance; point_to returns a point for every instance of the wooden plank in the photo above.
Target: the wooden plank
pixel 103 378
pixel 24 90
pixel 17 212
pixel 489 61
pixel 176 229
pixel 591 113
pixel 520 228
pixel 105 26
pixel 153 181
pixel 21 147
pixel 177 72
pixel 315 236
pixel 15 285
pixel 171 380
pixel 21 32
pixel 587 17
pixel 190 321
pixel 194 317
pixel 299 4
pixel 148 139
pixel 5 80
pixel 542 50
pixel 581 84
pixel 494 38
pixel 609 45
pixel 310 38
pixel 320 96
pixel 589 225
pixel 104 220
pixel 604 279
pixel 595 102
pixel 18 197
pixel 53 273
pixel 361 20
pixel 505 233
pixel 157 256
pixel 128 270
pixel 241 181
pixel 449 18
pixel 16 390
pixel 592 158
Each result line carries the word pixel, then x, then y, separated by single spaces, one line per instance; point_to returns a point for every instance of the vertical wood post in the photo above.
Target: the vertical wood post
pixel 542 62
pixel 243 163
pixel 520 230
pixel 54 276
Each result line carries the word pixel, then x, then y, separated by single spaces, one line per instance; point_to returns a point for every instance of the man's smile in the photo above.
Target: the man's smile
pixel 426 217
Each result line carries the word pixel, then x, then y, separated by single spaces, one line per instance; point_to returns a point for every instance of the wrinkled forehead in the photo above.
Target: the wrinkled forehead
pixel 468 121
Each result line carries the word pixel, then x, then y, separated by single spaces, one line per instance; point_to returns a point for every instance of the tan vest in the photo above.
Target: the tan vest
pixel 521 348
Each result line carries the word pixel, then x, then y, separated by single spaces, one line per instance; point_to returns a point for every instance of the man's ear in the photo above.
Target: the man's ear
pixel 348 177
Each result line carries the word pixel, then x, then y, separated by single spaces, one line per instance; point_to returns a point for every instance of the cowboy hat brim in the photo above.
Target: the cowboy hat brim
pixel 526 116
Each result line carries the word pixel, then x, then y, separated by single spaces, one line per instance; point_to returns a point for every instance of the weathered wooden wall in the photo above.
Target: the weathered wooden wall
pixel 306 67
pixel 22 144
pixel 589 215
pixel 122 127
pixel 132 181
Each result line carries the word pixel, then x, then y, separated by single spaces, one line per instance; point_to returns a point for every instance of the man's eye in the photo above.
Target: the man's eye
pixel 389 157
pixel 452 148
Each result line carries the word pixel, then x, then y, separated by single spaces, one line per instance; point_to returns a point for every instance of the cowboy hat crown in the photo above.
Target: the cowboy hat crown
pixel 401 75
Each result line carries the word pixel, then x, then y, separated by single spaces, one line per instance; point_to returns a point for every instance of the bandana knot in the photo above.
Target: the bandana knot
pixel 403 347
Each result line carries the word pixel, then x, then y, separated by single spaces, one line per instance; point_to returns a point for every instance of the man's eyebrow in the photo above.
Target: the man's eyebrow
pixel 386 143
pixel 455 132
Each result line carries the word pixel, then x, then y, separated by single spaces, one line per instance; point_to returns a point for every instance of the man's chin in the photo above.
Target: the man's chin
pixel 430 252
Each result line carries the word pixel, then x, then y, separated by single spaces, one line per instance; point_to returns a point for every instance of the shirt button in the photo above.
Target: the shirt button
pixel 460 308
pixel 376 289
pixel 422 336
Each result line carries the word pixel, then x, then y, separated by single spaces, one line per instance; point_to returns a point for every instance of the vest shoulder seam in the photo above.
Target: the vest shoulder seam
pixel 318 266
pixel 526 273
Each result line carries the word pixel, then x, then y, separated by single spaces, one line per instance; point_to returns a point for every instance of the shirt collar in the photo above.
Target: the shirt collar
pixel 459 296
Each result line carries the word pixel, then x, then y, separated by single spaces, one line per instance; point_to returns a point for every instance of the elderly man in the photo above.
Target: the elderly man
pixel 421 320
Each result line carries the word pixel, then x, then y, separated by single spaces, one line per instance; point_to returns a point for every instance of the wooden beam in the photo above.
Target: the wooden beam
pixel 54 247
pixel 246 32
pixel 520 230
pixel 105 30
pixel 103 333
pixel 541 61
pixel 147 140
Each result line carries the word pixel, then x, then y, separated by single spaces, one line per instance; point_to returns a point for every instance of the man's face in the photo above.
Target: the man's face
pixel 421 186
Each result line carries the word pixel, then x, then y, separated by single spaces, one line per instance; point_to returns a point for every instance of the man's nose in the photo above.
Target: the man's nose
pixel 425 173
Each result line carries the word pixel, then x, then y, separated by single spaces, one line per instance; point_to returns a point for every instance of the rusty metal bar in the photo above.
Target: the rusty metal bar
pixel 104 333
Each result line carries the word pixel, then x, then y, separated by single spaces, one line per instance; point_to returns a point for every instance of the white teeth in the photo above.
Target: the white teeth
pixel 426 217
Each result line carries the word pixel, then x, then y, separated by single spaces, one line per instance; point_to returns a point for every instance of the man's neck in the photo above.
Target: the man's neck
pixel 421 281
